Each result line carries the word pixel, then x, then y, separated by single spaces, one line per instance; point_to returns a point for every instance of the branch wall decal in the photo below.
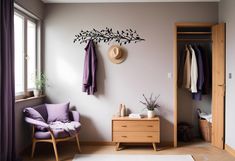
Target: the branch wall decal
pixel 107 35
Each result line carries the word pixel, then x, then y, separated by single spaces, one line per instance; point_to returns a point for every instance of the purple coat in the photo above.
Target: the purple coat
pixel 90 67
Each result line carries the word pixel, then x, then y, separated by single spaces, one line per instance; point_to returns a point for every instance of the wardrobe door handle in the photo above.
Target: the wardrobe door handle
pixel 150 126
pixel 124 136
pixel 149 136
pixel 124 126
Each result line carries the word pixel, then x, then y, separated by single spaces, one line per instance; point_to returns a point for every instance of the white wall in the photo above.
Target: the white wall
pixel 144 71
pixel 226 14
pixel 34 6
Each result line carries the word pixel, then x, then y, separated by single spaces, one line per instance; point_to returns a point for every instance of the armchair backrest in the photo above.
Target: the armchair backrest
pixel 42 110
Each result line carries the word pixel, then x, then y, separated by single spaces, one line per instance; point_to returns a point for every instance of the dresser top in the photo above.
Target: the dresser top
pixel 126 118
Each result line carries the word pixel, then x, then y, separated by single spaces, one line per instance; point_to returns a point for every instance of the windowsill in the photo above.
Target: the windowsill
pixel 29 98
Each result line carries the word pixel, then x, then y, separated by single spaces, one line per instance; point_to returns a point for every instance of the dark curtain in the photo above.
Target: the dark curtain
pixel 7 100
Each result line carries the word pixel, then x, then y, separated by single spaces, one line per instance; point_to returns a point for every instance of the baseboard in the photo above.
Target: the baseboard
pixel 230 150
pixel 109 143
pixel 97 143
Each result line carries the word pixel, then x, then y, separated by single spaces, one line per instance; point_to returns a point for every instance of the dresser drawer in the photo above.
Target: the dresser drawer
pixel 132 126
pixel 137 137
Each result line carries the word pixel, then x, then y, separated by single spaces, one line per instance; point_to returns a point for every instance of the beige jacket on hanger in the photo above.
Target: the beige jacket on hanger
pixel 187 70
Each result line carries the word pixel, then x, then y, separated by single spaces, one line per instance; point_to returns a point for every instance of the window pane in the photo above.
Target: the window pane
pixel 31 57
pixel 19 53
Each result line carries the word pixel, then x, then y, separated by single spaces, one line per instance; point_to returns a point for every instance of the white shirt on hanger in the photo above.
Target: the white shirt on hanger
pixel 194 72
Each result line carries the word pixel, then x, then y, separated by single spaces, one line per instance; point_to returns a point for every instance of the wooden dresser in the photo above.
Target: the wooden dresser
pixel 128 130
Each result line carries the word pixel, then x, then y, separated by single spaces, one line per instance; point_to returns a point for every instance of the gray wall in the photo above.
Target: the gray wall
pixel 144 71
pixel 226 14
pixel 23 131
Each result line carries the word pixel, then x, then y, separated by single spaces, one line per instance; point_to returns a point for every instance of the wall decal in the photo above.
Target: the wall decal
pixel 107 35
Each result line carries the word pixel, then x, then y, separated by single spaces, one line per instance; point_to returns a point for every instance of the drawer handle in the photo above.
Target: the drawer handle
pixel 149 136
pixel 150 126
pixel 124 136
pixel 124 126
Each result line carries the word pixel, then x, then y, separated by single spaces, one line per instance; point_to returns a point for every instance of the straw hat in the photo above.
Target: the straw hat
pixel 116 54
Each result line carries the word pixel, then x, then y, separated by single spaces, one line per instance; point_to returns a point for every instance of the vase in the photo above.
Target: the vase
pixel 37 92
pixel 151 114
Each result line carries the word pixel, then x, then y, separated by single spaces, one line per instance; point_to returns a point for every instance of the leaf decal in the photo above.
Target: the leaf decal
pixel 107 35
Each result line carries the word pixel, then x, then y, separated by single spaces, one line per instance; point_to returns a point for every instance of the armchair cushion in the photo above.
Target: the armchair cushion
pixel 42 110
pixel 58 112
pixel 35 117
pixel 58 133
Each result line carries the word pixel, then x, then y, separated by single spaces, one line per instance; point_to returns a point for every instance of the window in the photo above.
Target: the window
pixel 25 30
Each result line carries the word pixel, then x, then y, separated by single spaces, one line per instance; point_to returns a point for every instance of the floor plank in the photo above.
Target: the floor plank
pixel 200 151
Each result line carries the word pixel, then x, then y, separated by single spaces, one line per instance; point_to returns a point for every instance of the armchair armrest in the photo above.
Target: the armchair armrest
pixel 74 116
pixel 36 122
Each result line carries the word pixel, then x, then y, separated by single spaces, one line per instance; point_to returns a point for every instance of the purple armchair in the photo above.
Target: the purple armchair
pixel 43 133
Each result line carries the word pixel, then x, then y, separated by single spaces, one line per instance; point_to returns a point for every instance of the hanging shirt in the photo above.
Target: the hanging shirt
pixel 90 67
pixel 200 80
pixel 181 68
pixel 206 58
pixel 194 71
pixel 187 70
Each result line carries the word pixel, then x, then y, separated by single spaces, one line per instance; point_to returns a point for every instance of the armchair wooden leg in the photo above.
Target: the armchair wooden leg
pixel 79 148
pixel 33 147
pixel 55 150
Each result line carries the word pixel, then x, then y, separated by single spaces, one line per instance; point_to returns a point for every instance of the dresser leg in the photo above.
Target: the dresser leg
pixel 117 146
pixel 154 147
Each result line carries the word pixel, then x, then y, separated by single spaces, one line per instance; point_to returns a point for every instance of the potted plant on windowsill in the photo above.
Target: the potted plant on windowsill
pixel 40 83
pixel 150 105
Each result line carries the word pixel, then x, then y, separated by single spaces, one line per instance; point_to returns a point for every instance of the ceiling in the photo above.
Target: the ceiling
pixel 117 1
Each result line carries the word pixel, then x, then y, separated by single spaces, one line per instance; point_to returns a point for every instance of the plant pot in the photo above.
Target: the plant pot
pixel 37 92
pixel 151 114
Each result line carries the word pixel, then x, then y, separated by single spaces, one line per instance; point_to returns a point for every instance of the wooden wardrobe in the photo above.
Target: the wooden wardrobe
pixel 215 35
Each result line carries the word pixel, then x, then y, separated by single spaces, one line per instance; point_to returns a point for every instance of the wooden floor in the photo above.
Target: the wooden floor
pixel 200 151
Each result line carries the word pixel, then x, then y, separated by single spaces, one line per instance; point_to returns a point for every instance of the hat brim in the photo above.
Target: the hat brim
pixel 116 61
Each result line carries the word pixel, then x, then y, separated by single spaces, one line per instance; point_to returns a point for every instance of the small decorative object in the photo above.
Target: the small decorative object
pixel 123 111
pixel 40 83
pixel 135 116
pixel 107 35
pixel 116 54
pixel 119 111
pixel 150 104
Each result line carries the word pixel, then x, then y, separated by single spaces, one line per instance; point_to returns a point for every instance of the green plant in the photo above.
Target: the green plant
pixel 40 81
pixel 150 103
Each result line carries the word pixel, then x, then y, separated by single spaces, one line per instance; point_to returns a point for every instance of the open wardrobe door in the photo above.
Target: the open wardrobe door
pixel 218 85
